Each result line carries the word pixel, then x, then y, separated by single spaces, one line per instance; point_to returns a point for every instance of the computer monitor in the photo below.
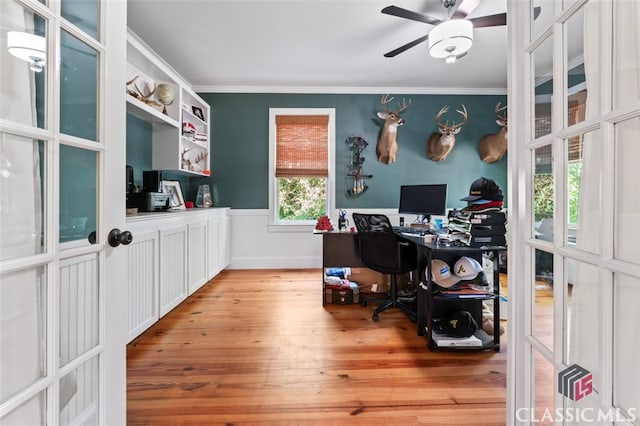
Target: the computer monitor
pixel 423 200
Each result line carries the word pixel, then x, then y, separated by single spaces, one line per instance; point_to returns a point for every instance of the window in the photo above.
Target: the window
pixel 301 152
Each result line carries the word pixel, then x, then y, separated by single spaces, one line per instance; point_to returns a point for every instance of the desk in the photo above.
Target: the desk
pixel 341 249
pixel 430 306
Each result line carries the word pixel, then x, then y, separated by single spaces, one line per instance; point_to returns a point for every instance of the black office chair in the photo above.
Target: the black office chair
pixel 382 251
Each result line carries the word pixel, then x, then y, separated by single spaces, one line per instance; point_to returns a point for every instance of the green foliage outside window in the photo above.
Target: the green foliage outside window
pixel 574 190
pixel 543 190
pixel 543 196
pixel 302 198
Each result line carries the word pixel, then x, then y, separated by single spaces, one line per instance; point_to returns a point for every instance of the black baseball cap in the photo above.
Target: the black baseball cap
pixel 460 324
pixel 484 189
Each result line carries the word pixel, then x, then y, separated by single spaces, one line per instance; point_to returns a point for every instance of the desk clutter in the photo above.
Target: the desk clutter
pixel 348 285
pixel 338 289
pixel 482 222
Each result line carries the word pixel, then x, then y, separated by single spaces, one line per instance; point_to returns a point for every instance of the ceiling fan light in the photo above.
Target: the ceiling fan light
pixel 452 37
pixel 450 59
pixel 28 47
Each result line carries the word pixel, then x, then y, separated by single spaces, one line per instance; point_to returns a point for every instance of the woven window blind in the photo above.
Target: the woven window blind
pixel 302 148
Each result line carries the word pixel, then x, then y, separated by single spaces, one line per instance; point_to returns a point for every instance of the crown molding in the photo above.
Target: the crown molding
pixel 352 90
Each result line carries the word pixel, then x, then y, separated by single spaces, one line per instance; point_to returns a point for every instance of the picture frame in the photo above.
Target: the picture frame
pixel 176 199
pixel 197 111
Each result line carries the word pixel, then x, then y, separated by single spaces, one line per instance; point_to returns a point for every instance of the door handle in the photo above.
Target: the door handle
pixel 117 237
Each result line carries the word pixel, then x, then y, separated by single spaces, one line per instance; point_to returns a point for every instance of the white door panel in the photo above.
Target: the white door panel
pixel 62 337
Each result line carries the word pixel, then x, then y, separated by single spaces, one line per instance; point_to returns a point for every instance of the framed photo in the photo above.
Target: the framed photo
pixel 176 200
pixel 197 111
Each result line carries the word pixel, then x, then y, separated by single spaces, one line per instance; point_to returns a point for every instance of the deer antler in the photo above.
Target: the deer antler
pixel 442 111
pixel 386 99
pixel 464 118
pixel 201 156
pixel 139 94
pixel 498 110
pixel 454 126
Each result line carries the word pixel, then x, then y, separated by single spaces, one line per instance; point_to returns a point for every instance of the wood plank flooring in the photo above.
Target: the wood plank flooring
pixel 257 347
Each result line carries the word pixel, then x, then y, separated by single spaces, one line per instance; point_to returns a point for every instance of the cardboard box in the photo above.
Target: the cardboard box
pixel 371 281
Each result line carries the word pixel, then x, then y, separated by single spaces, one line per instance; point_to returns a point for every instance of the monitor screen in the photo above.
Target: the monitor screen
pixel 425 200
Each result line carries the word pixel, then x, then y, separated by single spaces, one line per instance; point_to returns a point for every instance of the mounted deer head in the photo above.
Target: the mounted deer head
pixel 387 147
pixel 493 146
pixel 439 145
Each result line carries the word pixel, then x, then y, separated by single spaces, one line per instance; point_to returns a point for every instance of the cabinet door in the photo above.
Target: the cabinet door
pixel 197 255
pixel 173 271
pixel 142 283
pixel 213 261
pixel 224 247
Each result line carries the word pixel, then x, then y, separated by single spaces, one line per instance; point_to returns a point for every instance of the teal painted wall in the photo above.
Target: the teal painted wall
pixel 139 153
pixel 240 146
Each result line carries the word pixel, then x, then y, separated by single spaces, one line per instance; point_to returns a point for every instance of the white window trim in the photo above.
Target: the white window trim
pixel 299 226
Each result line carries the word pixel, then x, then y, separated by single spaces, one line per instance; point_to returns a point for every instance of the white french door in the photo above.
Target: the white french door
pixel 574 265
pixel 62 120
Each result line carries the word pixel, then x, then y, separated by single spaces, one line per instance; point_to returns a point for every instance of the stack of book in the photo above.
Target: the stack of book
pixel 443 340
pixel 200 137
pixel 477 229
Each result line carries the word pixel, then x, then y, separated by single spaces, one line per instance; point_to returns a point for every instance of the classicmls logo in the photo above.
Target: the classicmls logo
pixel 575 382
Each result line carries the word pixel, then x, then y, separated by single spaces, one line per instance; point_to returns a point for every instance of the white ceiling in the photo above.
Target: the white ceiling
pixel 315 46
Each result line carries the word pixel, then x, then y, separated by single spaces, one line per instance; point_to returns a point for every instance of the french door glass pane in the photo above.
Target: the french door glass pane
pixel 543 204
pixel 626 55
pixel 627 205
pixel 22 186
pixel 22 89
pixel 626 344
pixel 583 197
pixel 23 328
pixel 30 413
pixel 542 317
pixel 78 200
pixel 79 395
pixel 78 88
pixel 543 87
pixel 566 4
pixel 544 19
pixel 582 317
pixel 83 14
pixel 544 390
pixel 576 76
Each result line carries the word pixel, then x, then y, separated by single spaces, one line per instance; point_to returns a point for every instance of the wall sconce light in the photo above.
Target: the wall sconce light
pixel 28 47
pixel 451 39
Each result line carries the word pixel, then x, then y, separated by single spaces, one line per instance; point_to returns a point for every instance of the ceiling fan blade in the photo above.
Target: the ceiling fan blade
pixel 489 20
pixel 407 14
pixel 407 46
pixel 465 8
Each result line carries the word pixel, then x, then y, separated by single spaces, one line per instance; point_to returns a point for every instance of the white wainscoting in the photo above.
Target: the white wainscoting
pixel 253 246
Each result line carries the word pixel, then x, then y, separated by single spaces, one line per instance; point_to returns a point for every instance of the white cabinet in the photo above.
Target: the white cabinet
pixel 171 256
pixel 173 267
pixel 143 282
pixel 224 242
pixel 213 257
pixel 179 117
pixel 219 243
pixel 198 242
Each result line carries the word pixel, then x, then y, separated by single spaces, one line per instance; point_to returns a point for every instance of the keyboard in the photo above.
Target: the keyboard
pixel 410 230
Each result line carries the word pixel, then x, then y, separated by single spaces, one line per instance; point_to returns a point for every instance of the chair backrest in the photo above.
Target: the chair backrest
pixel 378 243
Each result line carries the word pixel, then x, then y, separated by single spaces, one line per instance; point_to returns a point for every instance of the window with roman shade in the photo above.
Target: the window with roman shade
pixel 301 146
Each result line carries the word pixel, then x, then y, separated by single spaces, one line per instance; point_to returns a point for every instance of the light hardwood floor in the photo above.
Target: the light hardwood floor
pixel 258 347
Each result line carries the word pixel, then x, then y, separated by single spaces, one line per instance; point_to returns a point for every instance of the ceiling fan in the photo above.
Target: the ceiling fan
pixel 451 38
